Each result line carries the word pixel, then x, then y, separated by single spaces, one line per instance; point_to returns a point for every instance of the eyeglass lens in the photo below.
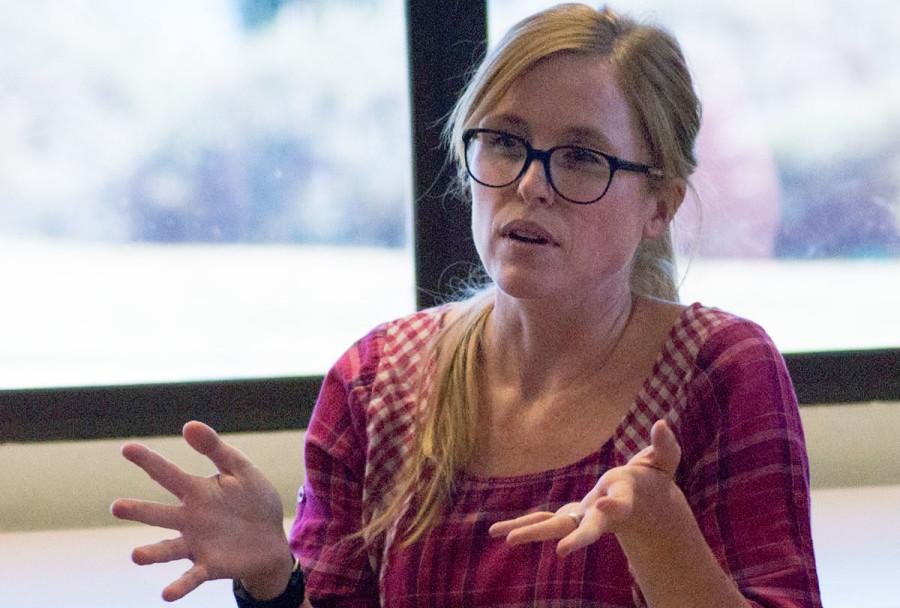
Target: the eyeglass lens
pixel 497 159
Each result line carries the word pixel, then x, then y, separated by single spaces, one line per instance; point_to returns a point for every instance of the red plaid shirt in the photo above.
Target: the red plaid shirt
pixel 719 383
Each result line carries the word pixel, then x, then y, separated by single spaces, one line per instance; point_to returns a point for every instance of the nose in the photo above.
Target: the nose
pixel 534 185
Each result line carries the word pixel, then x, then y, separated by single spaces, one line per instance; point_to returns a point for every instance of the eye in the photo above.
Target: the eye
pixel 500 140
pixel 575 158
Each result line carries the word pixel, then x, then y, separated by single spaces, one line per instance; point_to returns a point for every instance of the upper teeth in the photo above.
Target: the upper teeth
pixel 523 233
pixel 527 235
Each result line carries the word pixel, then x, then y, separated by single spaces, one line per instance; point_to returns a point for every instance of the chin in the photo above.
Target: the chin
pixel 524 288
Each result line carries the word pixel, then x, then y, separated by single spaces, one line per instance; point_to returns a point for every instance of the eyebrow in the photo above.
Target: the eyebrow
pixel 585 136
pixel 591 136
pixel 509 120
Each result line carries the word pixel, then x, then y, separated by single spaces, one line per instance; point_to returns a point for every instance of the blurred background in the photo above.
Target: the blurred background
pixel 208 189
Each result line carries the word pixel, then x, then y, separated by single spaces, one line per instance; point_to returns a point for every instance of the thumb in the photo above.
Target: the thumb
pixel 666 453
pixel 187 582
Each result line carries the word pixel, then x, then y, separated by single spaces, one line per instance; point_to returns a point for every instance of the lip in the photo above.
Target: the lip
pixel 532 231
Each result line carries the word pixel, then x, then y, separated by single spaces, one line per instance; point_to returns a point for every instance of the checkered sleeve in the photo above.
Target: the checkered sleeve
pixel 745 471
pixel 330 505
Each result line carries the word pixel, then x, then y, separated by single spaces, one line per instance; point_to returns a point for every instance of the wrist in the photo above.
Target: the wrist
pixel 272 582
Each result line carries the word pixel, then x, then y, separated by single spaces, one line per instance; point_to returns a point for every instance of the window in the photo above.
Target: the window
pixel 444 41
pixel 176 203
pixel 797 225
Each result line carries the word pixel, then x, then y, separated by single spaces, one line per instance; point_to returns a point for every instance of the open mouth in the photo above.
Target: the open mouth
pixel 527 232
pixel 526 238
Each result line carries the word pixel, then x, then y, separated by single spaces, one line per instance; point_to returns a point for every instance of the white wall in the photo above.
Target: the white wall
pixel 71 484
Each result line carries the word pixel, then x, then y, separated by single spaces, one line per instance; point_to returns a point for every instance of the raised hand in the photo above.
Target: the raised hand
pixel 231 523
pixel 625 498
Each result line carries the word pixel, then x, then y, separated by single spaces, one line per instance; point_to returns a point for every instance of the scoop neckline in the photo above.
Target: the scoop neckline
pixel 468 480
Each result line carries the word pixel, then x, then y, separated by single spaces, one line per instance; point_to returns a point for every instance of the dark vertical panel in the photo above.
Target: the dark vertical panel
pixel 445 39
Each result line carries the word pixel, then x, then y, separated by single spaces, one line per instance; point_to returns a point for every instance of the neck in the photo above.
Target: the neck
pixel 536 347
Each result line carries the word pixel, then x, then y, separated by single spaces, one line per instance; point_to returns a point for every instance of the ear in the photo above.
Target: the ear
pixel 665 199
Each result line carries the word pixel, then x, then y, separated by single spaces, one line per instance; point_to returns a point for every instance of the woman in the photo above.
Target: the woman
pixel 571 401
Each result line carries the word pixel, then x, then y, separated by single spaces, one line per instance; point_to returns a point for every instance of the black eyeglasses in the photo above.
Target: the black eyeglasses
pixel 579 175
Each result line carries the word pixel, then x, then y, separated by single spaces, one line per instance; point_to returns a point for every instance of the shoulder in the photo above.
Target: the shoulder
pixel 740 395
pixel 697 339
pixel 737 370
pixel 375 378
pixel 722 340
pixel 710 337
pixel 396 343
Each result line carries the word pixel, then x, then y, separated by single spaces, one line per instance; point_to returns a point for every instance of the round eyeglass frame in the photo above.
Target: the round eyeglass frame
pixel 532 154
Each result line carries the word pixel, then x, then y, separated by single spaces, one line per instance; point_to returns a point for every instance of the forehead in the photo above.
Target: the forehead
pixel 570 96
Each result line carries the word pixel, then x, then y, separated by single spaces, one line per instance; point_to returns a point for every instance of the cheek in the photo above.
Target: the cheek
pixel 610 240
pixel 482 217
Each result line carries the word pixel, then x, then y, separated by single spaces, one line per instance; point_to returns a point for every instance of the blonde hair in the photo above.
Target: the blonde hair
pixel 652 74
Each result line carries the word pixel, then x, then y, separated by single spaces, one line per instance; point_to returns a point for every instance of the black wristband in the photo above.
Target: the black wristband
pixel 291 597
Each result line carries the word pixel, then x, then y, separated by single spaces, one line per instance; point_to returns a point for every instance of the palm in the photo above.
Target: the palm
pixel 614 503
pixel 230 523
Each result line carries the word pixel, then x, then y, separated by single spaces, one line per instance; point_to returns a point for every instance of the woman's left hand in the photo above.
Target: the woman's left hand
pixel 626 499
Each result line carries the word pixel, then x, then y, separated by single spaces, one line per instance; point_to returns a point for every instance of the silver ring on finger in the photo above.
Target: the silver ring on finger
pixel 576 517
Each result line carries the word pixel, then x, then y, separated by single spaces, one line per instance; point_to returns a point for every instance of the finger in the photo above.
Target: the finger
pixel 162 471
pixel 663 453
pixel 186 583
pixel 205 440
pixel 161 552
pixel 502 528
pixel 666 453
pixel 594 524
pixel 618 504
pixel 148 512
pixel 601 517
pixel 598 490
pixel 557 526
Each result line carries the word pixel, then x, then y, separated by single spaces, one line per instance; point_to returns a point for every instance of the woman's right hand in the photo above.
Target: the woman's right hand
pixel 231 523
